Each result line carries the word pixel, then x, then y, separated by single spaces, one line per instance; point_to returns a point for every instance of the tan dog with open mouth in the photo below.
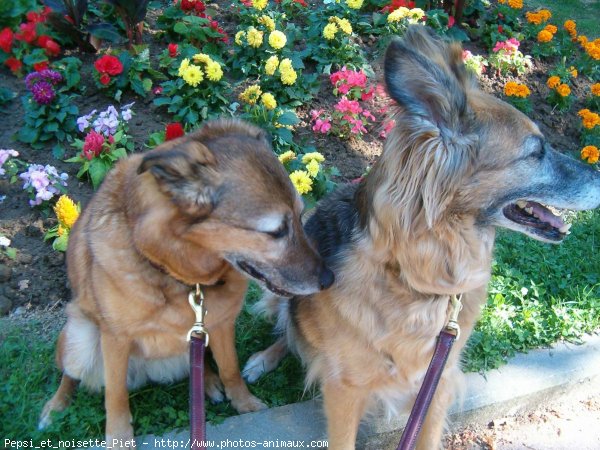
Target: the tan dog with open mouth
pixel 208 208
pixel 419 228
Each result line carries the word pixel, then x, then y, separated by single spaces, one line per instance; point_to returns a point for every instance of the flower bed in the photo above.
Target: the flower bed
pixel 310 76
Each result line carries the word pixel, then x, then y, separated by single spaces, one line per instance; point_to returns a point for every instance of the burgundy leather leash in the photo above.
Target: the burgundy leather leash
pixel 445 340
pixel 198 339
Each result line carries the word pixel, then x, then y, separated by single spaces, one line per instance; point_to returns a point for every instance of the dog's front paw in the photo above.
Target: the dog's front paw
pixel 248 404
pixel 255 368
pixel 213 387
pixel 120 438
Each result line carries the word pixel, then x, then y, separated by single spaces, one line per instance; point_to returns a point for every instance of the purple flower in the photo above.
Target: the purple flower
pixel 84 121
pixel 43 181
pixel 31 79
pixel 43 93
pixel 51 75
pixel 4 155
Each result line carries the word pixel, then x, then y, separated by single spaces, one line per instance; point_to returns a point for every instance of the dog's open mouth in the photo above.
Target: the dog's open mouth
pixel 538 218
pixel 245 267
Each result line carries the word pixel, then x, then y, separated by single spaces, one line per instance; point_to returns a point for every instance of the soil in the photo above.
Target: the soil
pixel 564 424
pixel 37 278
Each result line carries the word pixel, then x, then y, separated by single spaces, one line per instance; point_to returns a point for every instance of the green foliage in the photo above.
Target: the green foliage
pixel 13 12
pixel 538 294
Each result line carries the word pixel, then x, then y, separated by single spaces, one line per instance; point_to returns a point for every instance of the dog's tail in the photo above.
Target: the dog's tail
pixel 271 306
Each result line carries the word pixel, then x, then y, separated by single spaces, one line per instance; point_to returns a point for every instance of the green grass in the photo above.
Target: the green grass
pixel 584 12
pixel 539 294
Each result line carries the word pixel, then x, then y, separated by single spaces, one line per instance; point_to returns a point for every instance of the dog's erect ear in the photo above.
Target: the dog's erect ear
pixel 427 78
pixel 186 174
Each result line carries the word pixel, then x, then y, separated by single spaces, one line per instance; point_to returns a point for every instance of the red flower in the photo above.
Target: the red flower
pixel 6 39
pixel 32 16
pixel 13 64
pixel 188 5
pixel 109 64
pixel 173 130
pixel 28 32
pixel 172 50
pixel 104 79
pixel 38 67
pixel 500 29
pixel 451 21
pixel 199 7
pixel 52 48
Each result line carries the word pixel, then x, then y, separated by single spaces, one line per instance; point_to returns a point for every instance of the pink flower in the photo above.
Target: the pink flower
pixel 388 125
pixel 368 114
pixel 322 126
pixel 348 106
pixel 315 113
pixel 92 145
pixel 366 96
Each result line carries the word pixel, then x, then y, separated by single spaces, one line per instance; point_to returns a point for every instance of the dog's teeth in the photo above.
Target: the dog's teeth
pixel 565 228
pixel 529 210
pixel 522 204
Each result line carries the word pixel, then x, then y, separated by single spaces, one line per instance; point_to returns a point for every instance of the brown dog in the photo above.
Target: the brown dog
pixel 419 228
pixel 201 209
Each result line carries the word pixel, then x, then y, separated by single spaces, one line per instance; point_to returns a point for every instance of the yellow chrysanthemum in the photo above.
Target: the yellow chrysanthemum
pixel 239 36
pixel 344 25
pixel 288 77
pixel 268 23
pixel 396 15
pixel 515 4
pixel 563 90
pixel 286 64
pixel 201 58
pixel 301 181
pixel 595 88
pixel 313 168
pixel 193 75
pixel 354 4
pixel 183 66
pixel 551 28
pixel 415 15
pixel 271 65
pixel 277 39
pixel 590 153
pixel 61 230
pixel 313 156
pixel 544 36
pixel 214 72
pixel 553 82
pixel 259 4
pixel 251 94
pixel 66 211
pixel 329 31
pixel 287 156
pixel 573 71
pixel 268 100
pixel 254 37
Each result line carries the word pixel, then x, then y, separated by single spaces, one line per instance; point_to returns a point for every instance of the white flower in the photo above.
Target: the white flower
pixel 4 241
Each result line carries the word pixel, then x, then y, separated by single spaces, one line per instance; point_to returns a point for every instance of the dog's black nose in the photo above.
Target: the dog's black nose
pixel 326 278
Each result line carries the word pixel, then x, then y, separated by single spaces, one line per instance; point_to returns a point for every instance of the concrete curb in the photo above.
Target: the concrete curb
pixel 528 380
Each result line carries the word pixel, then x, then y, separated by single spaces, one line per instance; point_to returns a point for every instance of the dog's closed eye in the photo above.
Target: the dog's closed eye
pixel 275 226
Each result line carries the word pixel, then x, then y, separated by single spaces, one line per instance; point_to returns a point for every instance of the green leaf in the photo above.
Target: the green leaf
pixel 60 243
pixel 181 28
pixel 147 84
pixel 58 151
pixel 28 135
pixel 288 118
pixel 98 170
pixel 11 252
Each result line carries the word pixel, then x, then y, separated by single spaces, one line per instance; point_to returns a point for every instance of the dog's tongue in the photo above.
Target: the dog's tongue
pixel 545 215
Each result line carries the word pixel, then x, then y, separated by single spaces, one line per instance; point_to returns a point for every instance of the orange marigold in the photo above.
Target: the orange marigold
pixel 595 88
pixel 571 27
pixel 513 89
pixel 534 18
pixel 544 14
pixel 582 40
pixel 573 72
pixel 563 90
pixel 515 4
pixel 593 50
pixel 551 28
pixel 553 82
pixel 544 36
pixel 590 153
pixel 589 119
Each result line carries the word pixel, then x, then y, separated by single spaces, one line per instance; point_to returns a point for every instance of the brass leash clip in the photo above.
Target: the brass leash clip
pixel 452 326
pixel 196 300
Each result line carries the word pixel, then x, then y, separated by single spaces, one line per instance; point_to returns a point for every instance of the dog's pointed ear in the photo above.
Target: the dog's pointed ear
pixel 427 78
pixel 186 174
